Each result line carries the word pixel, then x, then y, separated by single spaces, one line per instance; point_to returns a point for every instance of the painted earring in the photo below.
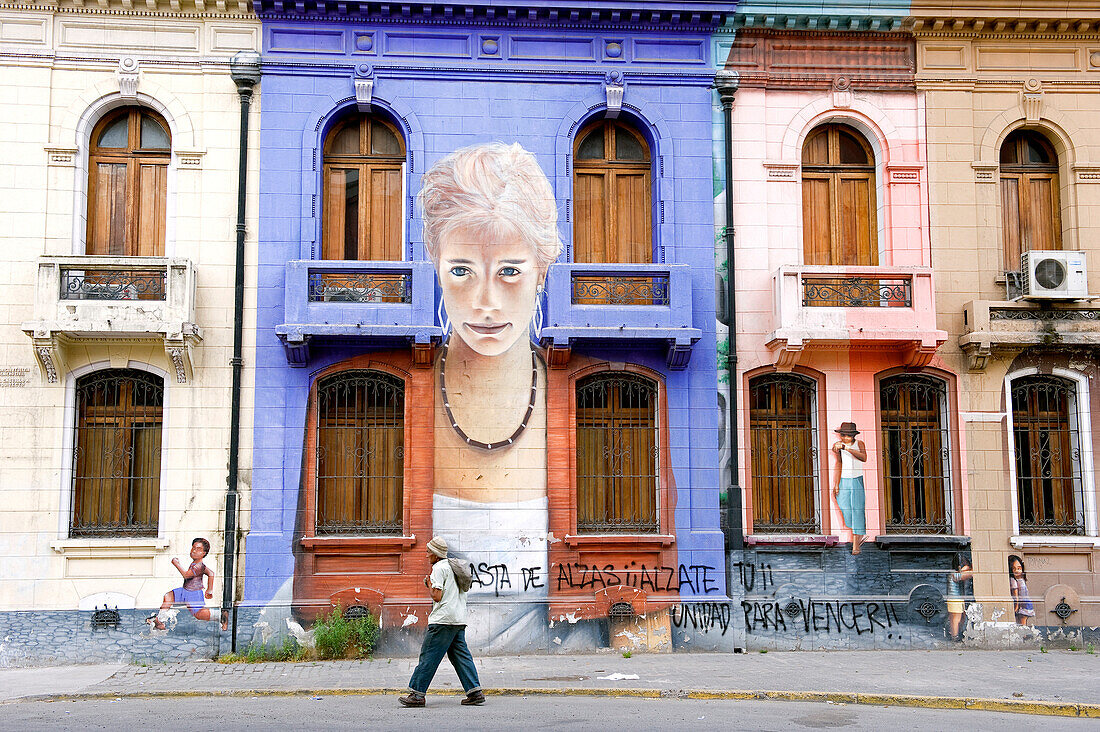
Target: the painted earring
pixel 444 321
pixel 537 321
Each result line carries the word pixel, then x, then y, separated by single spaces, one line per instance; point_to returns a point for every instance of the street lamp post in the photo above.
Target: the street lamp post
pixel 244 68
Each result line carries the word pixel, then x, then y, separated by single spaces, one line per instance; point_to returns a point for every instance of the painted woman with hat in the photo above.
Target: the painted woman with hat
pixel 849 454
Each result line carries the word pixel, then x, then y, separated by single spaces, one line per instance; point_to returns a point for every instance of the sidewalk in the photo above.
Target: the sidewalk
pixel 1058 682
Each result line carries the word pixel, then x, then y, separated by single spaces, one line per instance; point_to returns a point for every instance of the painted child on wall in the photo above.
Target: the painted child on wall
pixel 490 228
pixel 1022 606
pixel 849 454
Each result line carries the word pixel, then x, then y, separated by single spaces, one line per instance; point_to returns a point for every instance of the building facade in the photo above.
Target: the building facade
pixel 837 332
pixel 1011 150
pixel 121 169
pixel 583 491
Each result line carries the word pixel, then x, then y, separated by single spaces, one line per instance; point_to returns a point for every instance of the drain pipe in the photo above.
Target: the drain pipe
pixel 244 68
pixel 726 82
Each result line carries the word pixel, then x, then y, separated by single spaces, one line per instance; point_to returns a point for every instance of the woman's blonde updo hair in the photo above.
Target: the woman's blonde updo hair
pixel 495 191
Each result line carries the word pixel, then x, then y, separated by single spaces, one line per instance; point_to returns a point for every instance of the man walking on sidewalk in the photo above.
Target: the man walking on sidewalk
pixel 446 629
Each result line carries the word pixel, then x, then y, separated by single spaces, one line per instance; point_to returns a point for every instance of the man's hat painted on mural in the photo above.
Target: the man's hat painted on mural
pixel 847 428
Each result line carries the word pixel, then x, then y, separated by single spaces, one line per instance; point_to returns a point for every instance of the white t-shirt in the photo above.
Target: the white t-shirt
pixel 451 609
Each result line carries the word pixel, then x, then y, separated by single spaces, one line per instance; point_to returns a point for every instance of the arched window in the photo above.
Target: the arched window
pixel 617 454
pixel 1030 214
pixel 915 454
pixel 611 195
pixel 838 198
pixel 128 184
pixel 360 453
pixel 116 462
pixel 1049 490
pixel 363 158
pixel 783 451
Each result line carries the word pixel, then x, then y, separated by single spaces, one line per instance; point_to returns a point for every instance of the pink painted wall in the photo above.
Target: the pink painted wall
pixel 770 127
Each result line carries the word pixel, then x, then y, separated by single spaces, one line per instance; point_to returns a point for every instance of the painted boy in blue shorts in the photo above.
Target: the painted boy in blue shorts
pixel 191 593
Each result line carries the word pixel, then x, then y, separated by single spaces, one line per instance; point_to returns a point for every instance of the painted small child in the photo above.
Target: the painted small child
pixel 191 593
pixel 1017 583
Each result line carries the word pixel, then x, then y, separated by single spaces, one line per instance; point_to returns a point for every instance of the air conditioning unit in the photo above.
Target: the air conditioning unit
pixel 1050 275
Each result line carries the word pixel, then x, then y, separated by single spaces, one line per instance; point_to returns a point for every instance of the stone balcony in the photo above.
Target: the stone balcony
pixel 113 299
pixel 381 303
pixel 1006 328
pixel 889 308
pixel 619 303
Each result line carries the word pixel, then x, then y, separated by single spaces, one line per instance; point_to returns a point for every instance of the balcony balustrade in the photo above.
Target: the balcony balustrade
pixel 878 307
pixel 620 303
pixel 98 298
pixel 1006 328
pixel 332 301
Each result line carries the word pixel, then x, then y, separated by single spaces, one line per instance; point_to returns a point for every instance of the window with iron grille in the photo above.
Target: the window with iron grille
pixel 617 454
pixel 360 453
pixel 783 453
pixel 1049 489
pixel 916 455
pixel 116 460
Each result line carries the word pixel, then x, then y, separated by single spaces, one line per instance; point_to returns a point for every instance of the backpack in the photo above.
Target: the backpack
pixel 461 571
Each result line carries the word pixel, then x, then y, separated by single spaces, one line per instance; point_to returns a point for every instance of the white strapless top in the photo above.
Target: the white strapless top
pixel 506 543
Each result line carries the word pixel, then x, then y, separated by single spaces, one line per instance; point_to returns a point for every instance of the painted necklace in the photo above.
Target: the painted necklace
pixel 454 423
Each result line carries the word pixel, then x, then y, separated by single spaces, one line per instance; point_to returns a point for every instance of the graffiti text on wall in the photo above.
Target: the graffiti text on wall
pixel 701 616
pixel 820 616
pixel 699 578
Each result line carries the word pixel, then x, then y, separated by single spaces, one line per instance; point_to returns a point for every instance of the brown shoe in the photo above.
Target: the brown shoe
pixel 411 700
pixel 474 699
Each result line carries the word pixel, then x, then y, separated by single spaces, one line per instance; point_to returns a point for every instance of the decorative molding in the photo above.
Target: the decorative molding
pixel 977 355
pixel 779 170
pixel 838 62
pixel 842 92
pixel 128 73
pixel 703 17
pixel 984 172
pixel 177 355
pixel 1032 100
pixel 47 351
pixel 902 174
pixel 1086 173
pixel 190 159
pixel 614 89
pixel 61 157
pixel 364 86
pixel 1008 26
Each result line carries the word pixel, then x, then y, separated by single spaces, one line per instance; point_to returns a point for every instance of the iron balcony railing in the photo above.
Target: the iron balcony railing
pixel 857 292
pixel 621 302
pixel 338 300
pixel 81 283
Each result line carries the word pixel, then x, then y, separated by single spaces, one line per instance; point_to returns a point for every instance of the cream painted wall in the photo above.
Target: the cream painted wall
pixel 978 88
pixel 54 68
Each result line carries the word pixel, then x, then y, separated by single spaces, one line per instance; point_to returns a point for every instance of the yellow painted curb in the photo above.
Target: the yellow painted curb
pixel 1014 706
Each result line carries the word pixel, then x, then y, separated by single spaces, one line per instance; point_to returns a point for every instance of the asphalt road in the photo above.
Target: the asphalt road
pixel 500 713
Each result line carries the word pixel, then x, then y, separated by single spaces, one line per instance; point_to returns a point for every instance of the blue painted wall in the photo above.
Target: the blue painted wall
pixel 447 85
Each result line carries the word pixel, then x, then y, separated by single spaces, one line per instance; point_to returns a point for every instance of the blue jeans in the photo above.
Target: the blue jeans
pixel 449 640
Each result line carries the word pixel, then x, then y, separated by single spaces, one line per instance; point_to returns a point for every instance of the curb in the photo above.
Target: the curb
pixel 1014 706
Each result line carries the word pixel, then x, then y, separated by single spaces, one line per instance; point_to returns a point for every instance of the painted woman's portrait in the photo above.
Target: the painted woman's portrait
pixel 490 229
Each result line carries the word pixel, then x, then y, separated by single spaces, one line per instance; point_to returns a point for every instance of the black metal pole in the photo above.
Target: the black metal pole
pixel 245 81
pixel 727 82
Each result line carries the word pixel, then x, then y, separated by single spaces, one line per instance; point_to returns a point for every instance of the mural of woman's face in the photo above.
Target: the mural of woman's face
pixel 489 289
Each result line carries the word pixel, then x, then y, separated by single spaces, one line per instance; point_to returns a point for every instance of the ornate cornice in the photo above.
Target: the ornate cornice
pixel 1002 27
pixel 702 15
pixel 192 9
pixel 842 61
